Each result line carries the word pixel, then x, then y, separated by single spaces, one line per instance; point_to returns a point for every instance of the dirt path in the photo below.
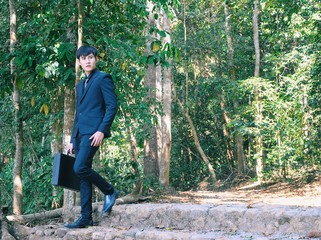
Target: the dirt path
pixel 295 194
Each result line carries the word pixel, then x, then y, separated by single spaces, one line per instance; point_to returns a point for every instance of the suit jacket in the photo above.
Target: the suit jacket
pixel 96 105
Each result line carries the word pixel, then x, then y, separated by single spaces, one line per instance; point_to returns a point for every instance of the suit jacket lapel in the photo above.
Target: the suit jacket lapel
pixel 85 90
pixel 80 90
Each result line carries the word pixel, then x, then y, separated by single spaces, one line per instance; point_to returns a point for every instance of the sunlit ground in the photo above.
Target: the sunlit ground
pixel 250 194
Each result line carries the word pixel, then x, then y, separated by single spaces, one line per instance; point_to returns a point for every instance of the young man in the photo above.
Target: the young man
pixel 96 107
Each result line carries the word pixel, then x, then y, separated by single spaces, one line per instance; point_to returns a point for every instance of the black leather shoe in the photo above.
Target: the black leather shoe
pixel 80 223
pixel 109 201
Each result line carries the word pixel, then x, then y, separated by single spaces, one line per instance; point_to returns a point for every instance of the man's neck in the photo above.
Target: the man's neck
pixel 88 73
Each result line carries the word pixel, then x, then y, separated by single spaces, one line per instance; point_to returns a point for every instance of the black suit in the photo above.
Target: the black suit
pixel 96 107
pixel 92 101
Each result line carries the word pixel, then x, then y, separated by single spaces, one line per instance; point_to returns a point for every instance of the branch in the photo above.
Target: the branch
pixel 23 219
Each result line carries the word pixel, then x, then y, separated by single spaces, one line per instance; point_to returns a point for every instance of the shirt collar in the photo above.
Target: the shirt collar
pixel 91 73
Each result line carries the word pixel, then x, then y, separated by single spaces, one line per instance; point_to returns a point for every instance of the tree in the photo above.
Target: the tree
pixel 152 84
pixel 190 62
pixel 157 146
pixel 221 98
pixel 69 99
pixel 240 158
pixel 17 176
pixel 164 163
pixel 259 106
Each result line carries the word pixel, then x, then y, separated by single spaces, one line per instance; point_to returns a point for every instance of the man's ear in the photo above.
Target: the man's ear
pixel 77 60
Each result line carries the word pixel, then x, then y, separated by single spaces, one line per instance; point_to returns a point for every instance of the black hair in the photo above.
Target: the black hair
pixel 85 51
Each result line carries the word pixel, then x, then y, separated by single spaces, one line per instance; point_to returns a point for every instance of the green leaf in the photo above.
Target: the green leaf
pixel 19 83
pixel 162 33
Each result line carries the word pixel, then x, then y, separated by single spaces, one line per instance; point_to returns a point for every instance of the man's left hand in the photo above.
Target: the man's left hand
pixel 97 139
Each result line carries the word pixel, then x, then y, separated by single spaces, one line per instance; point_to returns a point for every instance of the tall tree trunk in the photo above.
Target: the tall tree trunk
pixel 185 54
pixel 256 38
pixel 240 158
pixel 164 162
pixel 56 146
pixel 69 109
pixel 70 197
pixel 17 169
pixel 151 140
pixel 151 81
pixel 259 106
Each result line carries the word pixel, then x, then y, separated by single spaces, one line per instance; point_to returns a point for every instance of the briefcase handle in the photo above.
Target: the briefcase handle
pixel 68 152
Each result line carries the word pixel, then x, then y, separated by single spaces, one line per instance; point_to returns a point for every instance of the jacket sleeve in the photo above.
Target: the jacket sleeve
pixel 110 99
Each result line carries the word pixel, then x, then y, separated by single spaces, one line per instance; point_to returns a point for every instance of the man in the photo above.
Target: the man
pixel 96 107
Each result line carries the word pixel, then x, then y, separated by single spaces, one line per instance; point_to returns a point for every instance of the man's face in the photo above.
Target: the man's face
pixel 88 63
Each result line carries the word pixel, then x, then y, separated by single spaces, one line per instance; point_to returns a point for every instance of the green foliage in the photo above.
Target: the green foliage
pixel 120 171
pixel 45 63
pixel 44 59
pixel 289 87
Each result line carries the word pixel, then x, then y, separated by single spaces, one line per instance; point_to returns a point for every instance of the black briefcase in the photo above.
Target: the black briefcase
pixel 63 174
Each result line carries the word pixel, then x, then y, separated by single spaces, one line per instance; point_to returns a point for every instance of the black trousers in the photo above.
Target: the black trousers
pixel 83 168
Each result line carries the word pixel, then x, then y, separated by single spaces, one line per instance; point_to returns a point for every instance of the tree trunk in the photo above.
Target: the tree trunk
pixel 259 107
pixel 70 197
pixel 240 158
pixel 150 142
pixel 69 109
pixel 152 79
pixel 256 38
pixel 17 168
pixel 185 54
pixel 164 162
pixel 56 146
pixel 36 217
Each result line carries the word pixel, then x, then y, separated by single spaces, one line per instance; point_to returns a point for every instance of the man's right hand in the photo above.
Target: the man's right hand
pixel 71 149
